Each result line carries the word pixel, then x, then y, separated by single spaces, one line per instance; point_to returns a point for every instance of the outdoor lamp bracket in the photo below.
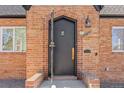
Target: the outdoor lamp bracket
pixel 87 22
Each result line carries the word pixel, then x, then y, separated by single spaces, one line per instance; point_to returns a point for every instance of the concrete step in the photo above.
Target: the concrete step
pixel 64 78
pixel 62 84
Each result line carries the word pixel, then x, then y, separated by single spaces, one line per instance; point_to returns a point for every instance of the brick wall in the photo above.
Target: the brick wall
pixel 37 37
pixel 21 65
pixel 12 64
pixel 108 59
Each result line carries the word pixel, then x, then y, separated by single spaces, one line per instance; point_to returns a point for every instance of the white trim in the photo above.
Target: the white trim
pixel 13 27
pixel 13 39
pixel 117 27
pixel 117 50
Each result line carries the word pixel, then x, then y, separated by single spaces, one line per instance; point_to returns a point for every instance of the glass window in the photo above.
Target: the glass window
pixel 20 39
pixel 7 40
pixel 13 39
pixel 118 39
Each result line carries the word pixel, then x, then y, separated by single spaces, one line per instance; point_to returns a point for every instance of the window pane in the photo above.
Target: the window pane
pixel 117 39
pixel 20 39
pixel 7 39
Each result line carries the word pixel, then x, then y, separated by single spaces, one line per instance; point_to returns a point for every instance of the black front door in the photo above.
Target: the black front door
pixel 64 38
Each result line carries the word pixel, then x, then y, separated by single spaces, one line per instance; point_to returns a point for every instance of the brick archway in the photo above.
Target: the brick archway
pixel 37 37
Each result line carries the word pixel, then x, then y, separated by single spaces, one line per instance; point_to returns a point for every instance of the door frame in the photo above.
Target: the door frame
pixel 75 41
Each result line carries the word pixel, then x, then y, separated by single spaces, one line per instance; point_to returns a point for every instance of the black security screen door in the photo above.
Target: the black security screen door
pixel 64 39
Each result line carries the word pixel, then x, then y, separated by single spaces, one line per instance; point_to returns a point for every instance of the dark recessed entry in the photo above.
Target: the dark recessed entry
pixel 64 57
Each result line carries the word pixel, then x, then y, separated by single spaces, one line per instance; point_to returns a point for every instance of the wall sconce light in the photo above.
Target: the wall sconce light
pixel 87 22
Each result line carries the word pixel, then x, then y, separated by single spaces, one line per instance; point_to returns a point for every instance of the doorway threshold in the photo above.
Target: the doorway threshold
pixel 67 77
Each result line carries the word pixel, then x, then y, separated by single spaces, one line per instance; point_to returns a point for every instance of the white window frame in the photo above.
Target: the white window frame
pixel 117 27
pixel 1 38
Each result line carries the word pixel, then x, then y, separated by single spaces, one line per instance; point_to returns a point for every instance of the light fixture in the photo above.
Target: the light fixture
pixel 87 22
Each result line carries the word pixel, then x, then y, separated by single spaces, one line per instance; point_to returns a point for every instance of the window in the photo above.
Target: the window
pixel 118 39
pixel 7 39
pixel 12 39
pixel 20 39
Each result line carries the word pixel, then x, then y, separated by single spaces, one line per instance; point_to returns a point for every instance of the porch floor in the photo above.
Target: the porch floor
pixel 12 83
pixel 63 84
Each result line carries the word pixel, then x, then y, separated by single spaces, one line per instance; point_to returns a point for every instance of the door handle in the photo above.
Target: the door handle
pixel 72 54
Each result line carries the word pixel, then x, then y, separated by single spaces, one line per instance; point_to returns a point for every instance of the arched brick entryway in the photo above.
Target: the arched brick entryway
pixel 37 37
pixel 79 39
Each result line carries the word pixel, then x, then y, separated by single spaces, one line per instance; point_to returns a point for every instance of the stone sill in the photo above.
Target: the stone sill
pixel 34 81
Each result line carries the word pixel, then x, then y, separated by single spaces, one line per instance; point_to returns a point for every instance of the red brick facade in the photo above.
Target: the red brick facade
pixel 113 61
pixel 99 41
pixel 37 37
pixel 12 64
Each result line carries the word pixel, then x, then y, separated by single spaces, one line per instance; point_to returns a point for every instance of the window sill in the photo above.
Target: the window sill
pixel 117 51
pixel 11 52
